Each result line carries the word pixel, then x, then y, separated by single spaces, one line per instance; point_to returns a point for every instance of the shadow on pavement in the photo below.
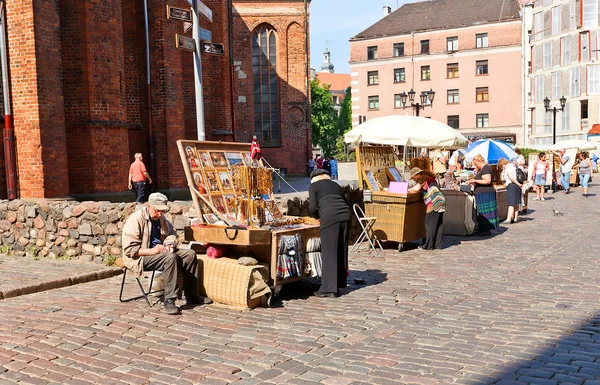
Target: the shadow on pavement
pixel 573 359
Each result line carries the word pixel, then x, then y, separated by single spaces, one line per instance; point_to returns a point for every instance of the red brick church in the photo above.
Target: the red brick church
pixel 83 105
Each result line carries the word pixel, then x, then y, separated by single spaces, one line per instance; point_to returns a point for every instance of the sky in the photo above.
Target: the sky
pixel 337 21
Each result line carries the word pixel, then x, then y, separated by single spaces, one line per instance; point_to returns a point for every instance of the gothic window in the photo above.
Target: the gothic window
pixel 266 86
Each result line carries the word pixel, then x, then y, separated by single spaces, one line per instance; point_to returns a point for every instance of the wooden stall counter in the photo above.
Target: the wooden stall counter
pixel 460 217
pixel 400 218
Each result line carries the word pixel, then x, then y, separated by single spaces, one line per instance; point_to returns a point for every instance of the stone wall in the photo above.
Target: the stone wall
pixel 87 231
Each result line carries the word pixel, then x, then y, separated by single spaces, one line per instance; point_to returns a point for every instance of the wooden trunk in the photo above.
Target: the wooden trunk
pixel 399 218
pixel 222 235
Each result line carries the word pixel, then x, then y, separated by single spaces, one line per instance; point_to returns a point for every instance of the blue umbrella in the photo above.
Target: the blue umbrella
pixel 491 150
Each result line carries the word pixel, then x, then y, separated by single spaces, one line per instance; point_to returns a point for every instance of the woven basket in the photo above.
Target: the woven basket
pixel 225 281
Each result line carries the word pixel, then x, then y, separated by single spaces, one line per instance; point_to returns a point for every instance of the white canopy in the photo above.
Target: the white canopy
pixel 402 130
pixel 574 144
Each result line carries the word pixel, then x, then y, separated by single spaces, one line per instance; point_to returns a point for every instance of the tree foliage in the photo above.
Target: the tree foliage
pixel 344 124
pixel 323 118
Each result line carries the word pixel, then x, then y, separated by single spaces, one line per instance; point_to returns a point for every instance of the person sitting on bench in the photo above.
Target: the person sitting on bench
pixel 149 243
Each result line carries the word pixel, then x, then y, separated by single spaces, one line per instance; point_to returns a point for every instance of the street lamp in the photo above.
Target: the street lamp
pixel 410 97
pixel 563 102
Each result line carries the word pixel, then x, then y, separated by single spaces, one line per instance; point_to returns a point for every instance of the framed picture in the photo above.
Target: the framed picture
pixel 211 218
pixel 230 202
pixel 199 183
pixel 225 180
pixel 231 217
pixel 393 174
pixel 218 159
pixel 205 159
pixel 370 179
pixel 234 158
pixel 212 182
pixel 192 157
pixel 219 204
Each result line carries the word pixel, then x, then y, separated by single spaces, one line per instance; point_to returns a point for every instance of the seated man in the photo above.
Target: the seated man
pixel 149 243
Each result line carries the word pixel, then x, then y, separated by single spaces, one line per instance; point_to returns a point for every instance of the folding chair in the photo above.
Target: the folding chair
pixel 145 293
pixel 366 223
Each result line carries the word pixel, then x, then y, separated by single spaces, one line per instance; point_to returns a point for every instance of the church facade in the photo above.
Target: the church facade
pixel 87 93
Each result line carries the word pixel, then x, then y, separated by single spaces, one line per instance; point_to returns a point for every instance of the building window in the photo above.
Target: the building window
pixel 593 85
pixel 566 118
pixel 265 86
pixel 556 20
pixel 584 38
pixel 453 121
pixel 452 43
pixel 399 75
pixel 590 14
pixel 574 89
pixel 481 67
pixel 397 101
pixel 372 53
pixel 452 96
pixel 482 94
pixel 572 16
pixel 398 49
pixel 556 85
pixel 452 70
pixel 482 120
pixel 425 73
pixel 424 46
pixel 374 102
pixel 481 40
pixel 547 48
pixel 565 50
pixel 539 88
pixel 373 77
pixel 538 26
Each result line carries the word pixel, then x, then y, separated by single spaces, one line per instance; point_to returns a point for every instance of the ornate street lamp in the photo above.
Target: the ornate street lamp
pixel 563 102
pixel 424 96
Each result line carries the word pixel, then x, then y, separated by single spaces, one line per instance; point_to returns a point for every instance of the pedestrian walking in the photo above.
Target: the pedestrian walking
pixel 540 169
pixel 485 196
pixel 565 169
pixel 333 165
pixel 138 176
pixel 319 161
pixel 585 171
pixel 513 190
pixel 311 164
pixel 435 204
pixel 150 243
pixel 328 203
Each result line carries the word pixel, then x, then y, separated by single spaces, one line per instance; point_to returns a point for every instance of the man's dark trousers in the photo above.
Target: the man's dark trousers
pixel 169 264
pixel 140 191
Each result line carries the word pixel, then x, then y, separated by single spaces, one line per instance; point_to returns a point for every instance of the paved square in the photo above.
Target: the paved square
pixel 519 307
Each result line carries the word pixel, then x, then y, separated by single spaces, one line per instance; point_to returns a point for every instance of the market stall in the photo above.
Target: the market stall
pixel 400 215
pixel 233 196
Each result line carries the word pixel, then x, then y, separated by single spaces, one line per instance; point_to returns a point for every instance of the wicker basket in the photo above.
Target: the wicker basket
pixel 399 218
pixel 225 281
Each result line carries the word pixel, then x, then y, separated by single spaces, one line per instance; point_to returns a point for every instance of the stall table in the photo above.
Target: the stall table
pixel 460 217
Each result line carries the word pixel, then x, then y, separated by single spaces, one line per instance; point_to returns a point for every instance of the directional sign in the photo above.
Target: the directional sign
pixel 185 42
pixel 187 26
pixel 204 34
pixel 179 14
pixel 212 48
pixel 203 9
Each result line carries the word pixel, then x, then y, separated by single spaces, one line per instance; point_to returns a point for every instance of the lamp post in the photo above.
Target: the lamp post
pixel 563 102
pixel 411 98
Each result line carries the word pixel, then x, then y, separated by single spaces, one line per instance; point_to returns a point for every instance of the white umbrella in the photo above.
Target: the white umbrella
pixel 402 130
pixel 574 144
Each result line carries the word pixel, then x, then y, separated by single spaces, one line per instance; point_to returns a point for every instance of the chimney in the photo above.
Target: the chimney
pixel 386 10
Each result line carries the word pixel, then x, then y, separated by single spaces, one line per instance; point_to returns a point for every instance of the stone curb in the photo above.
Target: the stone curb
pixel 61 282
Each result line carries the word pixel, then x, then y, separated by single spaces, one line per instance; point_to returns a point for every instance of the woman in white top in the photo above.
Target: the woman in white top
pixel 513 190
pixel 540 168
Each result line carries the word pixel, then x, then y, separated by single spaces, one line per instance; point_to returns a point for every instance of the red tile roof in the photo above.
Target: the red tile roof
pixel 441 14
pixel 595 129
pixel 337 82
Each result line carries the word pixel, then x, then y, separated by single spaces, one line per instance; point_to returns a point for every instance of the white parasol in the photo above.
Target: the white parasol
pixel 402 130
pixel 574 144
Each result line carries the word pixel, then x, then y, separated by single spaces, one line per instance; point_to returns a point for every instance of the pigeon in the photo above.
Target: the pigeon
pixel 556 213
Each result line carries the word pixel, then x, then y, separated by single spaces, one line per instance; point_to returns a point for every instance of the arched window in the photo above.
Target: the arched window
pixel 266 86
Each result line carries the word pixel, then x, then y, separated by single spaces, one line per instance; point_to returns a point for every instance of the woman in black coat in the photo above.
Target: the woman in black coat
pixel 327 203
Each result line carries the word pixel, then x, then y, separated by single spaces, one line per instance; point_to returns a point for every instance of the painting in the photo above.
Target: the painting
pixel 205 159
pixel 225 180
pixel 372 184
pixel 199 183
pixel 393 174
pixel 192 157
pixel 234 158
pixel 231 202
pixel 212 182
pixel 219 204
pixel 218 159
pixel 211 218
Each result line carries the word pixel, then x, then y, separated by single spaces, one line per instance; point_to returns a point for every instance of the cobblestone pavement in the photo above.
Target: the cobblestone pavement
pixel 25 275
pixel 519 307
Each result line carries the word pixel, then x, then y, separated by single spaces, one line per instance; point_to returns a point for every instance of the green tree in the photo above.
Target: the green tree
pixel 323 118
pixel 344 124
